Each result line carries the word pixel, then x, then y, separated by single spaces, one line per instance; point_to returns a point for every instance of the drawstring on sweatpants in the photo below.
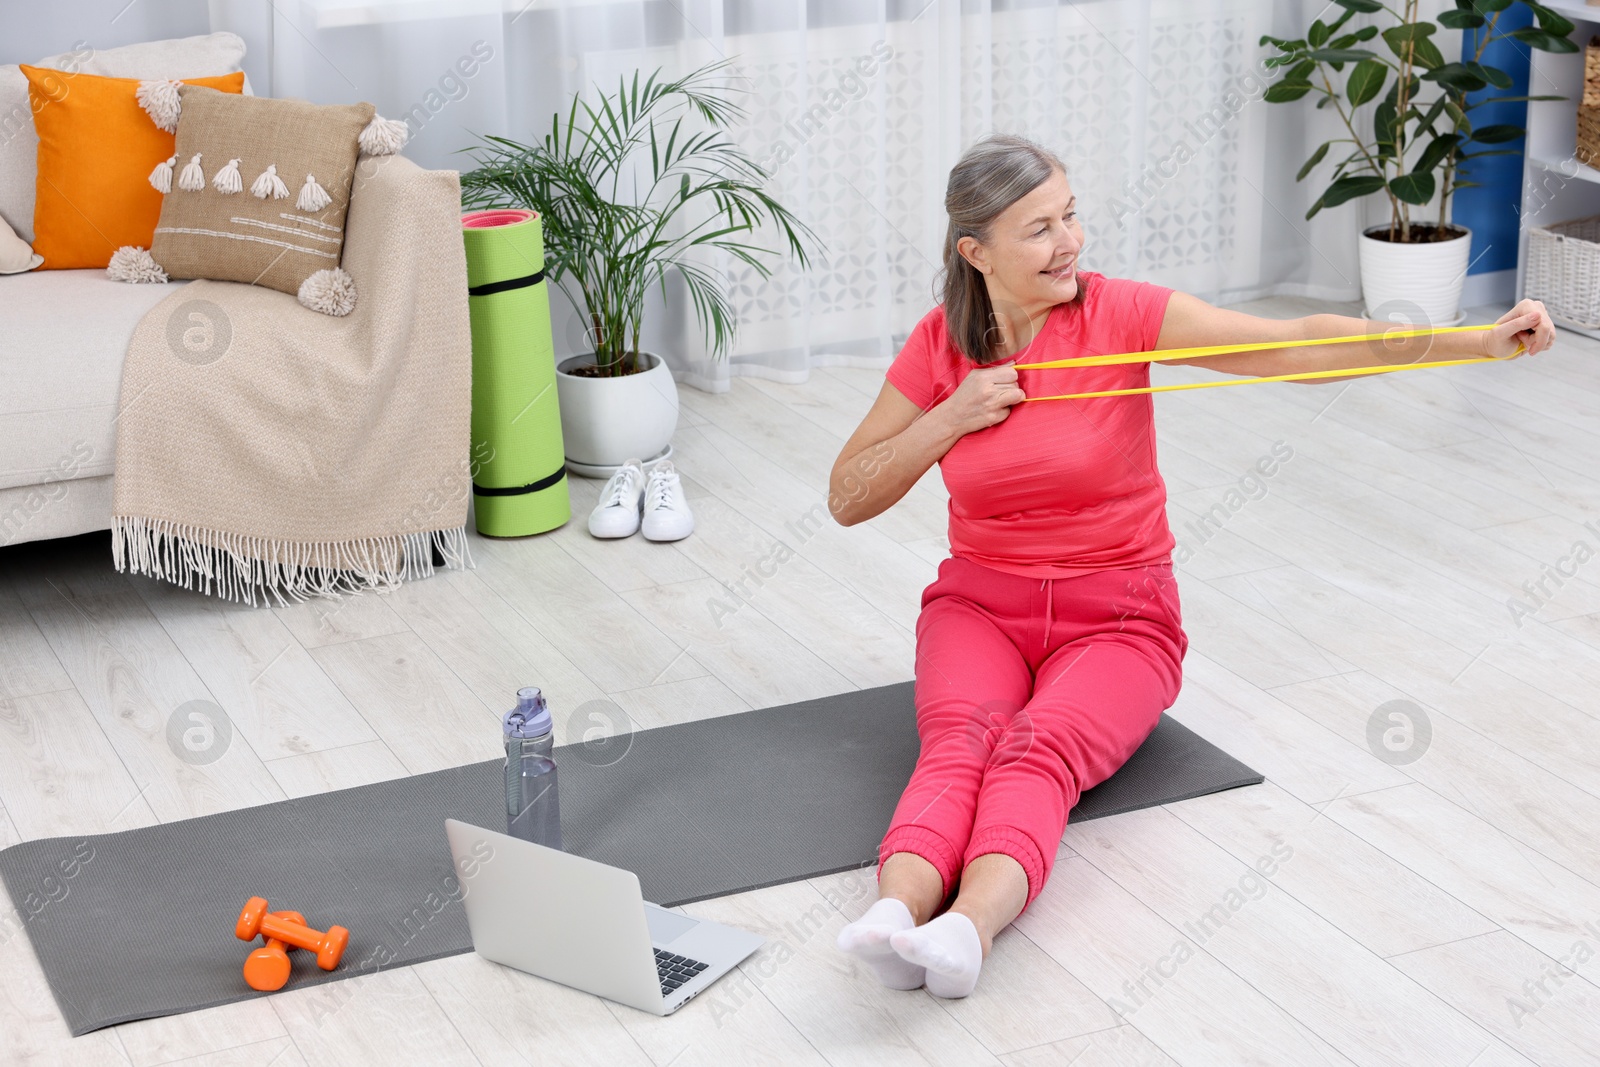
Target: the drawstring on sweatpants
pixel 1049 607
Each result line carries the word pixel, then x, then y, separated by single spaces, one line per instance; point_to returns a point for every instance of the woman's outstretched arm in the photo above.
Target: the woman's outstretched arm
pixel 897 441
pixel 1190 322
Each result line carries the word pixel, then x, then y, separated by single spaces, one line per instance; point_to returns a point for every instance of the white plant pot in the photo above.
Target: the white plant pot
pixel 1416 283
pixel 605 421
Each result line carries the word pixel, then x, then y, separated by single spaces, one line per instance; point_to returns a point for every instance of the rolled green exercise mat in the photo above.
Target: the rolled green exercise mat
pixel 520 486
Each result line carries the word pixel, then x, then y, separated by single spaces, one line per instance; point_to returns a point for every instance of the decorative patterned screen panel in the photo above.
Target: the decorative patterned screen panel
pixel 1155 108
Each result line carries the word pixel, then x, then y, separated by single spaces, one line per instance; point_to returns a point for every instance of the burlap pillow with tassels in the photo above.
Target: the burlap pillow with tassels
pixel 257 191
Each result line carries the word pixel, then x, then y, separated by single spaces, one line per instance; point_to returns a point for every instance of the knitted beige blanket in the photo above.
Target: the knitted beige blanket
pixel 266 448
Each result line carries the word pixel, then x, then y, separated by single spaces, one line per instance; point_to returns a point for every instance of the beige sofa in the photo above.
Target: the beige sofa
pixel 64 333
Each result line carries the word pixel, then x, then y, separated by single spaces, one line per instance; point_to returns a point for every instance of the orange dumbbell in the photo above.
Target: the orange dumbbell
pixel 255 919
pixel 267 969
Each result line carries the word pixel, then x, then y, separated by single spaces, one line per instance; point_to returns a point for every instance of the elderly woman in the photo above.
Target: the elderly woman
pixel 1051 640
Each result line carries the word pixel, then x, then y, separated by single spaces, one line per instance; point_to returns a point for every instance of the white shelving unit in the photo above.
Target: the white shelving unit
pixel 1555 186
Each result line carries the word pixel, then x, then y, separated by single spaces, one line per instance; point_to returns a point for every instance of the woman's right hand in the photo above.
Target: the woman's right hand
pixel 983 398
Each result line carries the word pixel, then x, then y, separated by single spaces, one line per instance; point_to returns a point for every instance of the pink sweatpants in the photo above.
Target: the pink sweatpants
pixel 1028 692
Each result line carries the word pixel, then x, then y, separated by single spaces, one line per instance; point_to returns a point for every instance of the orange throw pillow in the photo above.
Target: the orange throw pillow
pixel 97 147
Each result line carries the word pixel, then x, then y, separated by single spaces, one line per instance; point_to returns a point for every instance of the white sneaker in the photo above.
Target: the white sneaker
pixel 666 510
pixel 617 513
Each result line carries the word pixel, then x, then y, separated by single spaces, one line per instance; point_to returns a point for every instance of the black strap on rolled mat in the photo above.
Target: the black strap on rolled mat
pixel 490 288
pixel 140 924
pixel 517 490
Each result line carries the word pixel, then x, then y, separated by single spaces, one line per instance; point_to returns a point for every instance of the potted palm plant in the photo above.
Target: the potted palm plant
pixel 618 401
pixel 1422 132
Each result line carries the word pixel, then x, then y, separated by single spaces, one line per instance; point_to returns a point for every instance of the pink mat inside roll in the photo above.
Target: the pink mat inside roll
pixel 478 220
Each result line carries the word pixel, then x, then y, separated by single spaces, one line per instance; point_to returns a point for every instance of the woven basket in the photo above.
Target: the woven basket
pixel 1587 150
pixel 1591 72
pixel 1564 270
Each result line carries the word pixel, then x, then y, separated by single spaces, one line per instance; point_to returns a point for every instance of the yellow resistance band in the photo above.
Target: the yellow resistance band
pixel 1217 350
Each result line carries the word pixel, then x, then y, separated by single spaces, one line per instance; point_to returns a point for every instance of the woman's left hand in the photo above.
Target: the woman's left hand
pixel 1528 324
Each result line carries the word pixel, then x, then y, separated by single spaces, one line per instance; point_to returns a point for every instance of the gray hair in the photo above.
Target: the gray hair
pixel 990 176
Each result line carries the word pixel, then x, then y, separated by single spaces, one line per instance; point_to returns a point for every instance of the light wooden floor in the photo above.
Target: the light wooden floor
pixel 1416 903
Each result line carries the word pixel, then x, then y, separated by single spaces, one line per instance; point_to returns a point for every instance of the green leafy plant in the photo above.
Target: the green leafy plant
pixel 615 247
pixel 1411 67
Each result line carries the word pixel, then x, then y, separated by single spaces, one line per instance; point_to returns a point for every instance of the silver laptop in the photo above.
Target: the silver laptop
pixel 586 924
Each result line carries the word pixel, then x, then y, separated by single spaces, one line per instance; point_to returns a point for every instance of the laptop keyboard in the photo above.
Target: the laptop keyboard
pixel 675 970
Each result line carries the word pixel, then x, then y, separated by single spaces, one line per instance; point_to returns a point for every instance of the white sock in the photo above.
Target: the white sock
pixel 948 948
pixel 868 939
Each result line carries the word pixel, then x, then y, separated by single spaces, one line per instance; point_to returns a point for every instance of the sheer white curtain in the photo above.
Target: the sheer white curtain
pixel 1184 174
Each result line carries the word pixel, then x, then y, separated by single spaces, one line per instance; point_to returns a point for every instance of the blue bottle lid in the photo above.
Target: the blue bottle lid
pixel 531 716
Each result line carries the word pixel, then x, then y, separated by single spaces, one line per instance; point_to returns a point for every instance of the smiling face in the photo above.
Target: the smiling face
pixel 1031 260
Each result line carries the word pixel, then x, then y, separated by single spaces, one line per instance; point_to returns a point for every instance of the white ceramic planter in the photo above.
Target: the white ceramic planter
pixel 1417 283
pixel 605 421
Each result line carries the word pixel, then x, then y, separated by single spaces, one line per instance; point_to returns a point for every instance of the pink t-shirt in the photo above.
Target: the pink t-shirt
pixel 1060 487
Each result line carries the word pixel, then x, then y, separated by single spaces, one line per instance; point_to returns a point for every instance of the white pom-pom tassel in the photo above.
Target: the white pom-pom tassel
pixel 161 177
pixel 227 179
pixel 161 102
pixel 130 263
pixel 313 197
pixel 269 184
pixel 332 292
pixel 192 179
pixel 384 137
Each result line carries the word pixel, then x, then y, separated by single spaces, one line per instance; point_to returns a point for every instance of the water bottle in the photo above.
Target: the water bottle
pixel 533 811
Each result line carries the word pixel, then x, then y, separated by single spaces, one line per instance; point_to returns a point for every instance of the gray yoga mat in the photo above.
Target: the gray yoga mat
pixel 139 924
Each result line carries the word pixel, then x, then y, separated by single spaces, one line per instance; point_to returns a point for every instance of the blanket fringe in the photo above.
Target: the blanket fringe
pixel 242 568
